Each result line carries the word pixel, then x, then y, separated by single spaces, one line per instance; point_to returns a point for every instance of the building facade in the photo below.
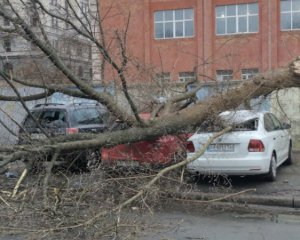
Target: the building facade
pixel 26 60
pixel 208 39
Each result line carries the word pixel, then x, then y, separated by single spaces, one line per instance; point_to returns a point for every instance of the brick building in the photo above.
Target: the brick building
pixel 214 39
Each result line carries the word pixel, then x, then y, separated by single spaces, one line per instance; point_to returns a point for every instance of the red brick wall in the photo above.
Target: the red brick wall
pixel 266 50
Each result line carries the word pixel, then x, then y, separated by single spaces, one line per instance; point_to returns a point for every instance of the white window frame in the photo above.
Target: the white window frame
pixel 174 21
pixel 249 73
pixel 291 12
pixel 187 76
pixel 163 77
pixel 247 15
pixel 224 75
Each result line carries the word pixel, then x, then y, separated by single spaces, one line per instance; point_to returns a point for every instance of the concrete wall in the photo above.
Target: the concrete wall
pixel 285 105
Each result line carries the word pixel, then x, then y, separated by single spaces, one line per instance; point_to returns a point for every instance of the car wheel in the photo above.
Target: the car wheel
pixel 271 175
pixel 289 160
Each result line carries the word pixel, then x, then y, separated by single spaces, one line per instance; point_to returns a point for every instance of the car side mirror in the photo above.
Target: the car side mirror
pixel 286 126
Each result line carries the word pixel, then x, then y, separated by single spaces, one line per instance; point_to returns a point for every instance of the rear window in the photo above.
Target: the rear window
pixel 89 116
pixel 46 118
pixel 218 125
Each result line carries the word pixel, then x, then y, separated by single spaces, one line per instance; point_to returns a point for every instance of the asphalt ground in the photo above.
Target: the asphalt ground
pixel 285 191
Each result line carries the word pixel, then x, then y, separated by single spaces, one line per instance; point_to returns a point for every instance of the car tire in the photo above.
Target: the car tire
pixel 272 174
pixel 289 160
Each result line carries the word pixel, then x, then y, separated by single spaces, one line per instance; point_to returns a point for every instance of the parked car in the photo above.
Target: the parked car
pixel 258 144
pixel 62 119
pixel 150 153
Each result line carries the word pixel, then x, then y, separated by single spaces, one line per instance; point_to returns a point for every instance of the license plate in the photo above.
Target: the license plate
pixel 220 148
pixel 127 164
pixel 37 136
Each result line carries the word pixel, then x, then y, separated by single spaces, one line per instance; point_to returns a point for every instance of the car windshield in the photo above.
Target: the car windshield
pixel 219 124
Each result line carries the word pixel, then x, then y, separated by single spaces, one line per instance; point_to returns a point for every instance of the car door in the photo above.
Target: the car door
pixel 283 138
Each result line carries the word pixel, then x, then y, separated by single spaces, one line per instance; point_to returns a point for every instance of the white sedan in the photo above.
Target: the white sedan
pixel 258 144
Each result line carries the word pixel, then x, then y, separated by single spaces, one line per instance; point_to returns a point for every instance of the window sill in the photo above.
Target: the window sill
pixel 175 39
pixel 237 35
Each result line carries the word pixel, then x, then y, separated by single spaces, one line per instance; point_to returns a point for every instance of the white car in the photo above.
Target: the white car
pixel 258 144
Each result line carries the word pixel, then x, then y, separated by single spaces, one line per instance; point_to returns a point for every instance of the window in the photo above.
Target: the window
pixel 8 68
pixel 224 75
pixel 187 76
pixel 6 22
pixel 163 77
pixel 53 2
pixel 91 73
pixel 268 123
pixel 54 22
pixel 34 20
pixel 79 51
pixel 240 18
pixel 277 123
pixel 90 52
pixel 55 44
pixel 249 73
pixel 7 44
pixel 174 23
pixel 290 14
pixel 84 7
pixel 80 71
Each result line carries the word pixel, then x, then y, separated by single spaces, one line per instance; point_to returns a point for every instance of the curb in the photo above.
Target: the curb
pixel 275 201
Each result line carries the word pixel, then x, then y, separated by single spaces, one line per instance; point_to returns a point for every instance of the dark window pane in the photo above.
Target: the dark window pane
pixel 179 29
pixel 242 24
pixel 178 15
pixel 231 25
pixel 231 10
pixel 253 8
pixel 158 16
pixel 159 30
pixel 169 30
pixel 253 23
pixel 220 11
pixel 169 15
pixel 220 25
pixel 189 13
pixel 285 6
pixel 189 28
pixel 285 21
pixel 242 9
pixel 296 20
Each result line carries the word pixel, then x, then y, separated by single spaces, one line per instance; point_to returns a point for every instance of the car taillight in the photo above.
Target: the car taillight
pixel 190 147
pixel 72 130
pixel 256 145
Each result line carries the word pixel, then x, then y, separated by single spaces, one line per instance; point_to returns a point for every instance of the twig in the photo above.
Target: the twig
pixel 46 179
pixel 22 177
pixel 3 200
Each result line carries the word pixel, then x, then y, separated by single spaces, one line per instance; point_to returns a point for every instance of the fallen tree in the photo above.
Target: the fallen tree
pixel 172 117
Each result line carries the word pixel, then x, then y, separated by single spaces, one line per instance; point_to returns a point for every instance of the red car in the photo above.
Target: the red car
pixel 158 152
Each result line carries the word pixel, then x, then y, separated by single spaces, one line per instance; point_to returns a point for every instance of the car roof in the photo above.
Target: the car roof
pixel 66 106
pixel 240 116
